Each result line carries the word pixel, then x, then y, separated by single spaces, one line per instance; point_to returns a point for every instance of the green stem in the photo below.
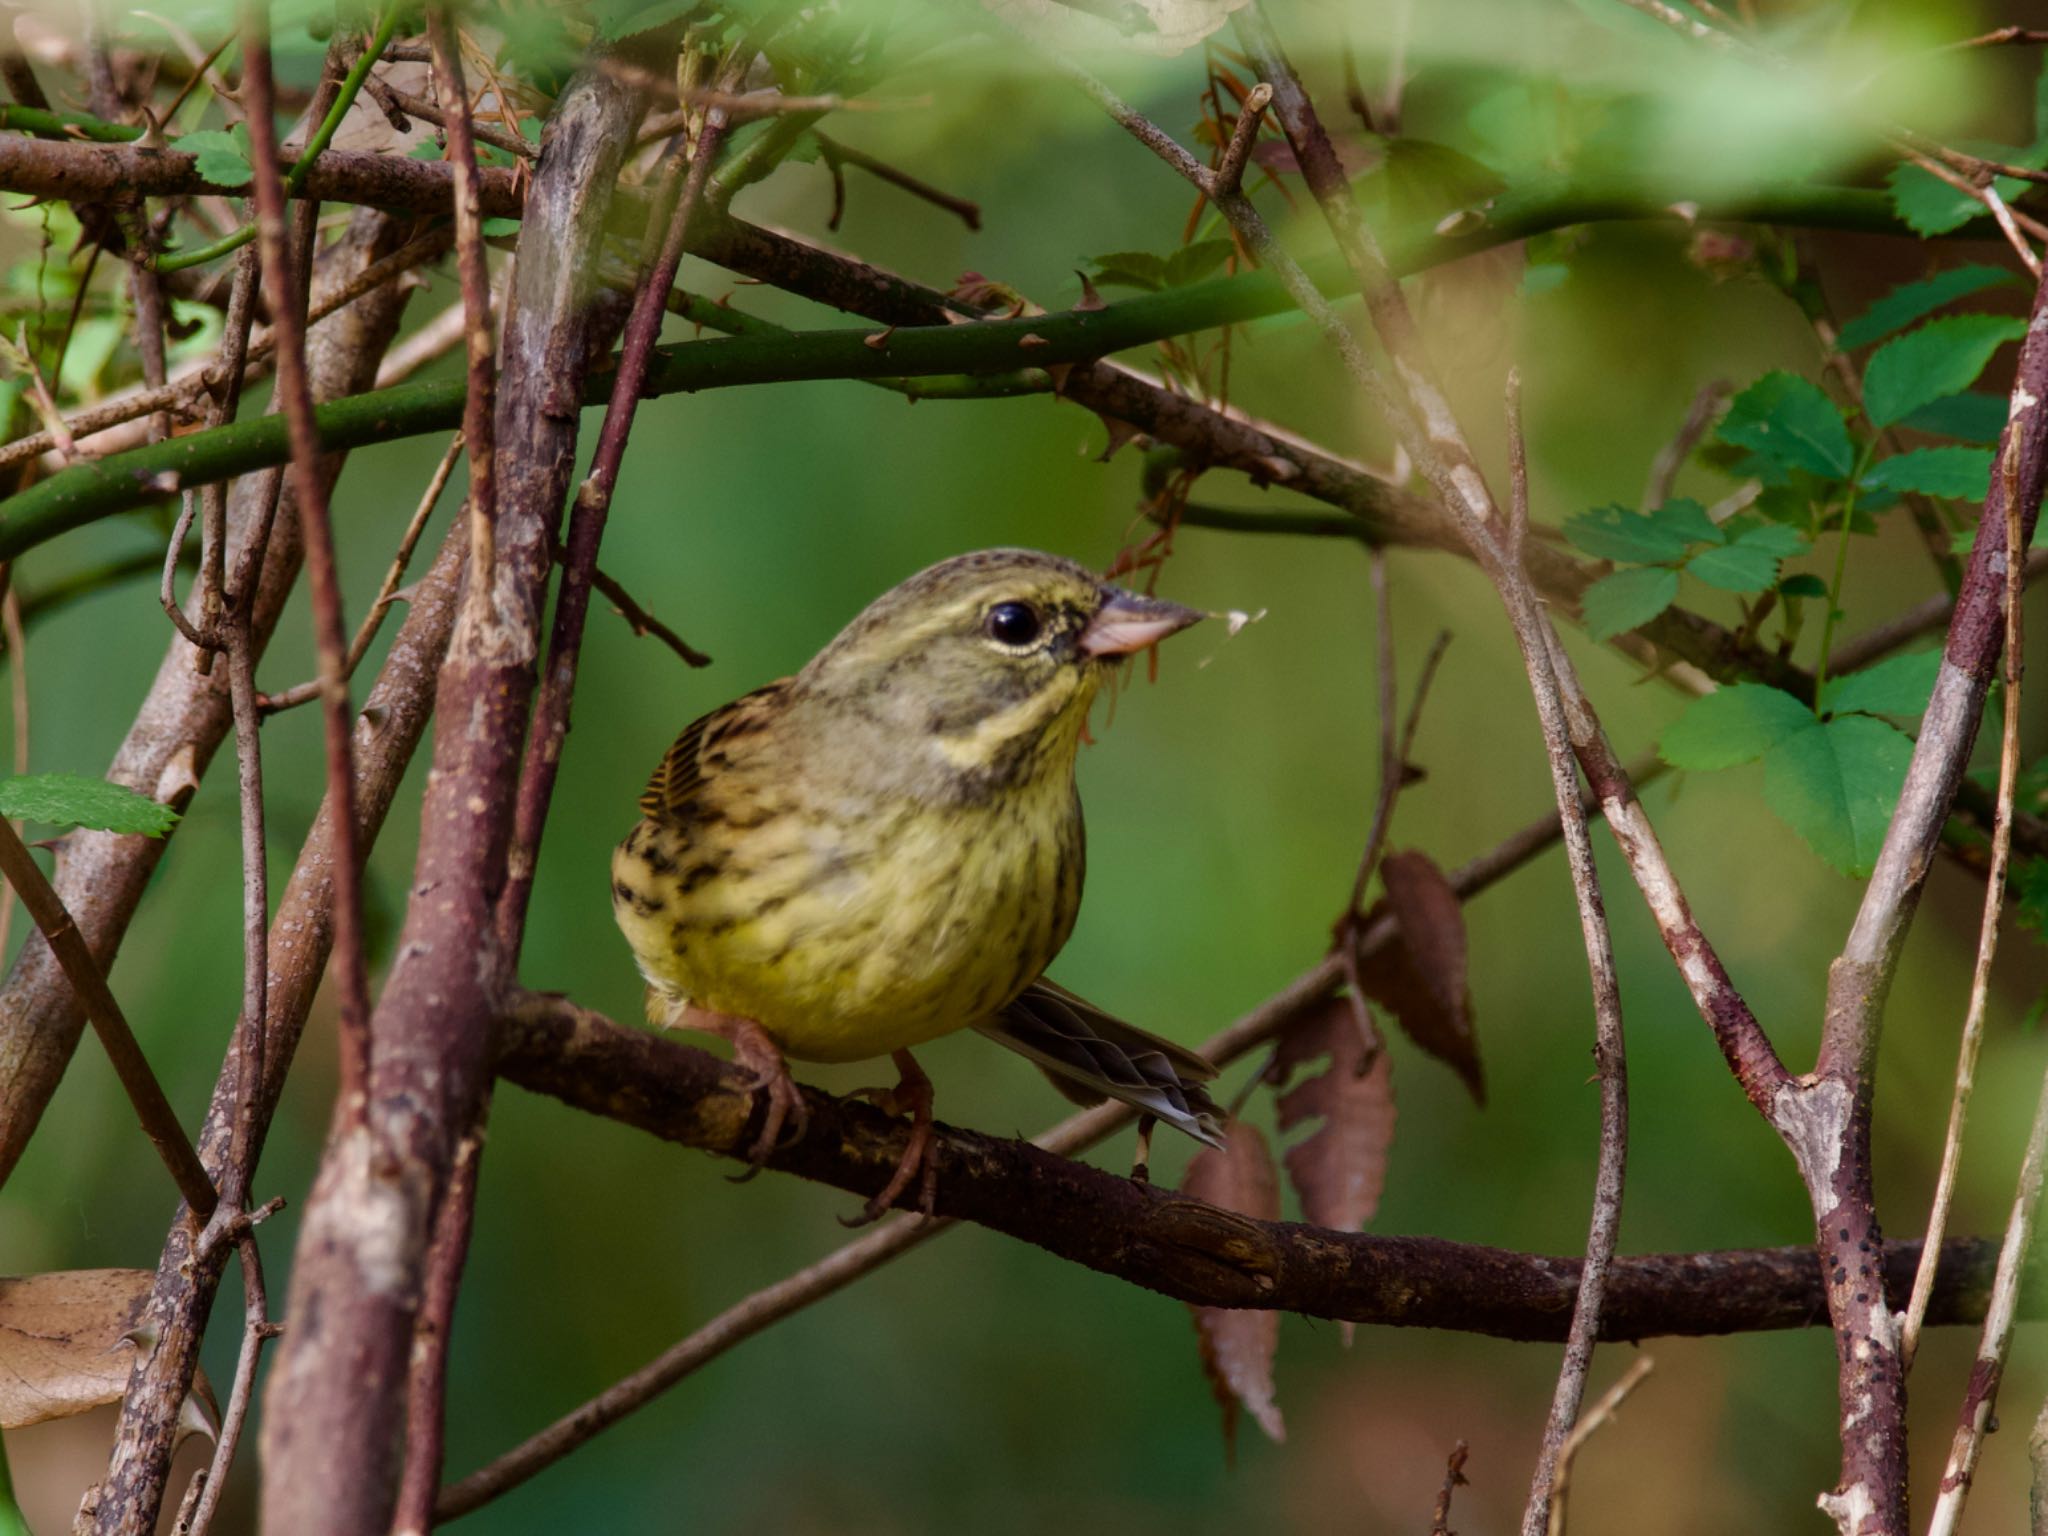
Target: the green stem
pixel 66 125
pixel 351 85
pixel 960 386
pixel 86 492
pixel 1827 628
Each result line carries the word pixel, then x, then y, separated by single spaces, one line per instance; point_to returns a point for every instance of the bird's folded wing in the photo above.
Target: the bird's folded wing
pixel 1090 1055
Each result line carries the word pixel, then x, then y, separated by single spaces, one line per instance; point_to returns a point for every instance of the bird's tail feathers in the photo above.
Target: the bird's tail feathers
pixel 1090 1055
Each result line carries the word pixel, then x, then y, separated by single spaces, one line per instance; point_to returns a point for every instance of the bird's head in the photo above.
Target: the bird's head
pixel 992 658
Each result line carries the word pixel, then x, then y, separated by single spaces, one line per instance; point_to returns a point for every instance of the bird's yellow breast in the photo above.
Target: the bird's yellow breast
pixel 849 931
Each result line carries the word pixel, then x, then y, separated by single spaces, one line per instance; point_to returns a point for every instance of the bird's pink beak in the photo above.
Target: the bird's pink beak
pixel 1127 623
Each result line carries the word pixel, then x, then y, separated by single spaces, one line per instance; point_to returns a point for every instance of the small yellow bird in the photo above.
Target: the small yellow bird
pixel 888 847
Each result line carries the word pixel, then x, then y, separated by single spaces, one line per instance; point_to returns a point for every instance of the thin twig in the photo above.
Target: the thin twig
pixel 1454 1479
pixel 478 430
pixel 2000 1313
pixel 1596 1417
pixel 836 154
pixel 210 377
pixel 586 528
pixel 159 1120
pixel 427 1373
pixel 391 98
pixel 1229 172
pixel 257 1329
pixel 1987 930
pixel 643 622
pixel 330 638
pixel 1670 458
pixel 387 593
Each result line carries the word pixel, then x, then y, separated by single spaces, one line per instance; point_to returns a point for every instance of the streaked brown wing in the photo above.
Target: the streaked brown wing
pixel 702 750
pixel 1091 1055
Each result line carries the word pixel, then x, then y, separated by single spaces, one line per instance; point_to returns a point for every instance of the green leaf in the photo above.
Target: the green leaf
pixel 1933 207
pixel 1133 269
pixel 1688 519
pixel 1192 263
pixel 1897 686
pixel 223 155
pixel 495 229
pixel 1627 598
pixel 1911 302
pixel 1790 422
pixel 2030 895
pixel 1940 358
pixel 1803 585
pixel 426 149
pixel 1975 416
pixel 1732 725
pixel 1615 533
pixel 73 800
pixel 1837 784
pixel 1750 564
pixel 1963 473
pixel 1773 538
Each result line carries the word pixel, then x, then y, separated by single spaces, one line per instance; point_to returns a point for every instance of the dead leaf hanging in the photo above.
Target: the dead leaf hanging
pixel 1238 1345
pixel 67 1346
pixel 1422 979
pixel 1340 1168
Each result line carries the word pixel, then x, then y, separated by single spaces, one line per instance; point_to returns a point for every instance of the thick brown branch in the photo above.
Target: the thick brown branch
pixel 1183 1248
pixel 334 1411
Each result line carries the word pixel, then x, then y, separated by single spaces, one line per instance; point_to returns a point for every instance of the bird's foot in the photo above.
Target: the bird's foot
pixel 759 1055
pixel 912 1095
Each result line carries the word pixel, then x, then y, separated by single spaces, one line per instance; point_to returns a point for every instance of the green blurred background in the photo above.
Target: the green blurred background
pixel 979 1384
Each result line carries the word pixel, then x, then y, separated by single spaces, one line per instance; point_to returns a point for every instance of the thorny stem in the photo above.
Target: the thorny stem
pixel 330 638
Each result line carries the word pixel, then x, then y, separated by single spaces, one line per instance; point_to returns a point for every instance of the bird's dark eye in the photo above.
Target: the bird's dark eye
pixel 1012 623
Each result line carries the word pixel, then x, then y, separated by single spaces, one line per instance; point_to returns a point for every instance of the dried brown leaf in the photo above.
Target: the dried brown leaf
pixel 67 1344
pixel 1340 1168
pixel 1238 1345
pixel 1422 979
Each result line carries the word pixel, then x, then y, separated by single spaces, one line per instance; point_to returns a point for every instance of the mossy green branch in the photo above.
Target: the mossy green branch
pixel 89 491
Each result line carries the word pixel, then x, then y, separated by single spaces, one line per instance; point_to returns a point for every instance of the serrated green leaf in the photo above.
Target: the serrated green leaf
pixel 1615 533
pixel 1805 584
pixel 1773 538
pixel 1688 519
pixel 74 800
pixel 1837 784
pixel 495 229
pixel 1192 263
pixel 1962 473
pixel 1788 420
pixel 1627 598
pixel 1133 269
pixel 1975 416
pixel 1911 302
pixel 1933 207
pixel 1898 685
pixel 1737 567
pixel 223 155
pixel 1731 725
pixel 2030 895
pixel 1941 358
